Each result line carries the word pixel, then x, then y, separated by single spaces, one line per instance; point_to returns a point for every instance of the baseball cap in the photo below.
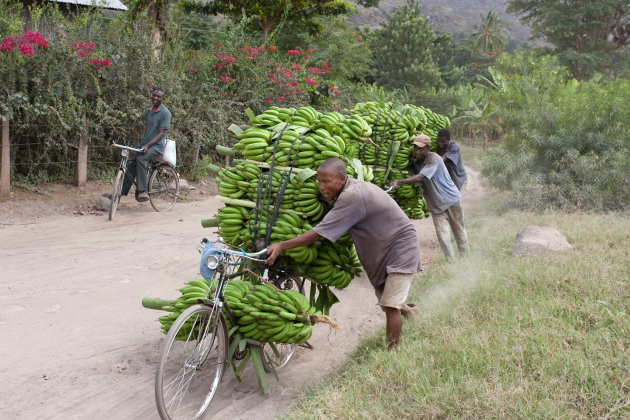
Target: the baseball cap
pixel 421 140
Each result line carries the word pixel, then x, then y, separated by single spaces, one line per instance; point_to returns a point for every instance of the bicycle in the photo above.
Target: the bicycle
pixel 163 185
pixel 194 354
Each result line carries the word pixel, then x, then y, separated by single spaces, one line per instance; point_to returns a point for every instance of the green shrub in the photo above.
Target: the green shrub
pixel 570 151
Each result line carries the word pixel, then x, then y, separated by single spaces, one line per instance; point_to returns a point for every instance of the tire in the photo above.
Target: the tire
pixel 115 200
pixel 191 364
pixel 163 187
pixel 278 358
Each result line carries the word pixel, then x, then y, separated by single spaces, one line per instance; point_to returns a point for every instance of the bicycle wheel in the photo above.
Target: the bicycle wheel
pixel 191 363
pixel 279 357
pixel 163 187
pixel 116 194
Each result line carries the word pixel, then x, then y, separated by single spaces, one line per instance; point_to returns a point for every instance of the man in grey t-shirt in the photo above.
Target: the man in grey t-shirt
pixel 441 196
pixel 385 239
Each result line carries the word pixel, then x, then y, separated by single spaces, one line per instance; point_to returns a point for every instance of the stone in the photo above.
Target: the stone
pixel 102 203
pixel 539 240
pixel 183 185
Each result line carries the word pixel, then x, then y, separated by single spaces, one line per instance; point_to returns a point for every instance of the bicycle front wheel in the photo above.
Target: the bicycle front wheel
pixel 116 194
pixel 163 187
pixel 191 363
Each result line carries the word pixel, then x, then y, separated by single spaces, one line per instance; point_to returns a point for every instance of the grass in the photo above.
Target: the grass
pixel 541 337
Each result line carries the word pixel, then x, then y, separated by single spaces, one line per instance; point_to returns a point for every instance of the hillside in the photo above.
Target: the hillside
pixel 454 16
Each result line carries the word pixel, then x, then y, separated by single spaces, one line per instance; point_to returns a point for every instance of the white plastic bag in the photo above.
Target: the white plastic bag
pixel 170 152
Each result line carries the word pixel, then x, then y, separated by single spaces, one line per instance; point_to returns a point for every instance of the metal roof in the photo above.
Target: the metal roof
pixel 105 4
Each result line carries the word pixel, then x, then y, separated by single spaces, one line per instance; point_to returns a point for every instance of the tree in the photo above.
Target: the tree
pixel 266 16
pixel 403 50
pixel 487 36
pixel 588 36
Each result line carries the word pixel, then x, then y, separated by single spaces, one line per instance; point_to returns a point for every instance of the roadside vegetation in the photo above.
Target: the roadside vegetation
pixel 501 336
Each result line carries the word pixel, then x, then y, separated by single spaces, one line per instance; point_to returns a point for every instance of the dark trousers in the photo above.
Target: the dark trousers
pixel 137 168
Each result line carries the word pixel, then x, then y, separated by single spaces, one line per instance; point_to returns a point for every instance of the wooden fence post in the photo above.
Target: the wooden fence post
pixel 5 174
pixel 80 174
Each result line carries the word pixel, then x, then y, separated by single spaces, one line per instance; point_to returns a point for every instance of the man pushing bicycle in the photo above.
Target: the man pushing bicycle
pixel 386 240
pixel 157 121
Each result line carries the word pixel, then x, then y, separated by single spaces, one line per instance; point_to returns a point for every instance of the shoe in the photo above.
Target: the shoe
pixel 409 310
pixel 143 196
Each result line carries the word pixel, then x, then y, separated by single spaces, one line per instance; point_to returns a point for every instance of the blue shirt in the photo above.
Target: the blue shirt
pixel 440 192
pixel 153 122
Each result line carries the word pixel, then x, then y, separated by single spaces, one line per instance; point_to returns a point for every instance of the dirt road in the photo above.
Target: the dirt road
pixel 77 342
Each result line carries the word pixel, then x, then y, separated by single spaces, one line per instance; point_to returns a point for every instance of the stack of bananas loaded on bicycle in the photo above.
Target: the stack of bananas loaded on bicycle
pixel 262 312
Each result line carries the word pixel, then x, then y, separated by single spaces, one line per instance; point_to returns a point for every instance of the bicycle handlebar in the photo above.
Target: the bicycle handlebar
pixel 126 147
pixel 234 252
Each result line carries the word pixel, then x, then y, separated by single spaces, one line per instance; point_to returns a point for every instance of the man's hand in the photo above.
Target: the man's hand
pixel 273 252
pixel 145 148
pixel 394 184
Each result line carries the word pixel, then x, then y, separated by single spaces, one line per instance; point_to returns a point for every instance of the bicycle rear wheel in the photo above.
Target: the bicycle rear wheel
pixel 116 194
pixel 163 187
pixel 191 363
pixel 279 357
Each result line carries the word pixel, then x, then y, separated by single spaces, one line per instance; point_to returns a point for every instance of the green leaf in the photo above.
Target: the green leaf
pixel 251 115
pixel 258 369
pixel 236 129
pixel 305 174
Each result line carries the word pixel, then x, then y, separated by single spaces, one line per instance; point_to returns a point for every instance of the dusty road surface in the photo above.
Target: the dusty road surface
pixel 77 342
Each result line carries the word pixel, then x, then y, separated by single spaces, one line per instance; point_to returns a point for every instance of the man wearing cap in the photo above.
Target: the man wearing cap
pixel 386 241
pixel 441 195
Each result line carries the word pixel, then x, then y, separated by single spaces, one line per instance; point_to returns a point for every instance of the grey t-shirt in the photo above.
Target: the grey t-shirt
pixel 454 164
pixel 385 239
pixel 440 192
pixel 153 122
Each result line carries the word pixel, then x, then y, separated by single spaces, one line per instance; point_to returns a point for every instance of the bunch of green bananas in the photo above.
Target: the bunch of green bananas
pixel 253 142
pixel 234 181
pixel 195 289
pixel 267 314
pixel 305 116
pixel 272 116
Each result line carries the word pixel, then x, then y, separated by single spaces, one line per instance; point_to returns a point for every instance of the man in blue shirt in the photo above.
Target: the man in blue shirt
pixel 157 121
pixel 441 195
pixel 452 157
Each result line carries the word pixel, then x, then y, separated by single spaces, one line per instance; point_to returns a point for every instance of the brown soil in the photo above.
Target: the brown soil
pixel 77 342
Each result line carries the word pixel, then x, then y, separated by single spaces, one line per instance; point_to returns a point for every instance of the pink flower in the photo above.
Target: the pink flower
pixel 296 67
pixel 294 83
pixel 294 53
pixel 281 98
pixel 310 81
pixel 26 49
pixel 272 48
pixel 52 110
pixel 307 56
pixel 268 100
pixel 273 76
pixel 229 59
pixel 227 80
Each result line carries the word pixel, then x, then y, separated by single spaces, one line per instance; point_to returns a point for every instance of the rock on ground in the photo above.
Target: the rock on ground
pixel 539 240
pixel 102 203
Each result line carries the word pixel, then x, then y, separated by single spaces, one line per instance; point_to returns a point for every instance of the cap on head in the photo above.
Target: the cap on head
pixel 422 140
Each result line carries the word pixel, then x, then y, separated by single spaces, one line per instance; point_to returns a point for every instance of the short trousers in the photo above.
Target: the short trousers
pixel 395 291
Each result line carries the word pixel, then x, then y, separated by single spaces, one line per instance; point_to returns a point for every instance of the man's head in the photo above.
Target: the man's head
pixel 331 177
pixel 421 146
pixel 443 138
pixel 157 96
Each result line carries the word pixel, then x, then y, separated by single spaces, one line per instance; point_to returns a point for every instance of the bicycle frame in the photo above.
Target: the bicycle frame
pixel 125 158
